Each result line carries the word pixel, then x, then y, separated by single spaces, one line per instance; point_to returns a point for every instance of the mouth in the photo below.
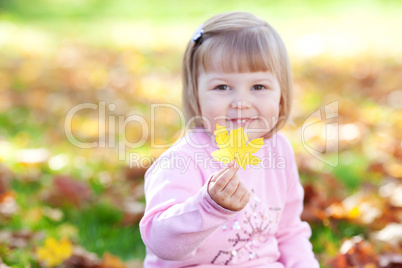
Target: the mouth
pixel 240 122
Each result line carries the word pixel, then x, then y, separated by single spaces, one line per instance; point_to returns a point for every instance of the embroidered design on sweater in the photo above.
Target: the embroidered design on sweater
pixel 252 233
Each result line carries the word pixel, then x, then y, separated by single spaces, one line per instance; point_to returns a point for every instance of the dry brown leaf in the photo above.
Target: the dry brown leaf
pixel 111 261
pixel 390 261
pixel 19 239
pixel 8 204
pixel 355 252
pixel 82 259
pixel 133 212
pixel 67 191
pixel 5 178
pixel 135 172
pixel 314 205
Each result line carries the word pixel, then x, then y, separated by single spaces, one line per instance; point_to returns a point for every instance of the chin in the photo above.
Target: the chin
pixel 256 132
pixel 256 135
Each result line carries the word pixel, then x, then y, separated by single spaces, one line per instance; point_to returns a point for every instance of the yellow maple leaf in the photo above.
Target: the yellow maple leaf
pixel 54 252
pixel 235 147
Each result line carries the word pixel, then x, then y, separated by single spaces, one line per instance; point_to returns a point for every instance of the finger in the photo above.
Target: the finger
pixel 216 175
pixel 220 172
pixel 245 198
pixel 231 186
pixel 239 192
pixel 240 203
pixel 235 164
pixel 224 179
pixel 233 181
pixel 231 163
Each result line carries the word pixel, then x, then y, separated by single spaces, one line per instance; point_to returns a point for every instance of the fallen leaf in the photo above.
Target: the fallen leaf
pixel 67 191
pixel 136 172
pixel 314 205
pixel 19 239
pixel 355 252
pixel 391 234
pixel 82 259
pixel 133 212
pixel 54 252
pixel 390 260
pixel 8 204
pixel 110 261
pixel 5 178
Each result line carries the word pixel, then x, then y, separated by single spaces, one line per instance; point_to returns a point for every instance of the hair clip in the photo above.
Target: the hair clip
pixel 198 33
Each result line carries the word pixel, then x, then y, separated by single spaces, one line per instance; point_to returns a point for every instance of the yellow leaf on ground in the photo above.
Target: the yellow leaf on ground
pixel 54 252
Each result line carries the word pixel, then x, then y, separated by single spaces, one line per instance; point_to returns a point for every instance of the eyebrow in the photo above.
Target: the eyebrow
pixel 216 78
pixel 265 80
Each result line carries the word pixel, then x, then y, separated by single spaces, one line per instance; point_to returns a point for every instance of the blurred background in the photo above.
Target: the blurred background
pixel 66 206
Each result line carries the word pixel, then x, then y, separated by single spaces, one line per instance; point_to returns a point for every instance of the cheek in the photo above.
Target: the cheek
pixel 270 108
pixel 269 115
pixel 212 105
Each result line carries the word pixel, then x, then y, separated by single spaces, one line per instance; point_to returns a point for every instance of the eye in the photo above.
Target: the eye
pixel 223 87
pixel 259 87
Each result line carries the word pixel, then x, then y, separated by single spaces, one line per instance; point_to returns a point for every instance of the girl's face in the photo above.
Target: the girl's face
pixel 233 100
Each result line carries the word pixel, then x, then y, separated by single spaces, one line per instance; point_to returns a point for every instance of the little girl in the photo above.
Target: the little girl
pixel 202 213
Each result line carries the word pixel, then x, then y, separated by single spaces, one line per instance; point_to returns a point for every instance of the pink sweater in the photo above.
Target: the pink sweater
pixel 184 227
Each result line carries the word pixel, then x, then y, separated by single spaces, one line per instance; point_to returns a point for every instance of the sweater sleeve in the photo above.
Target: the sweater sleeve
pixel 293 234
pixel 179 214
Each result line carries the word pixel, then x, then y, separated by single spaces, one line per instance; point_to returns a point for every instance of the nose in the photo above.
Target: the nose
pixel 240 105
pixel 241 100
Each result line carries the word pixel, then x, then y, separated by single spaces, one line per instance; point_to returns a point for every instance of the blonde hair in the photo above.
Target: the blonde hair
pixel 245 44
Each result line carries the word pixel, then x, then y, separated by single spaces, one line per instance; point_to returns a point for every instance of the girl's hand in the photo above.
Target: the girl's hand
pixel 226 189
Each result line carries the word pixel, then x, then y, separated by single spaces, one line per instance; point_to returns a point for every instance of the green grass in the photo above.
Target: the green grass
pixel 90 16
pixel 98 225
pixel 352 173
pixel 19 258
pixel 165 11
pixel 327 238
pixel 100 231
